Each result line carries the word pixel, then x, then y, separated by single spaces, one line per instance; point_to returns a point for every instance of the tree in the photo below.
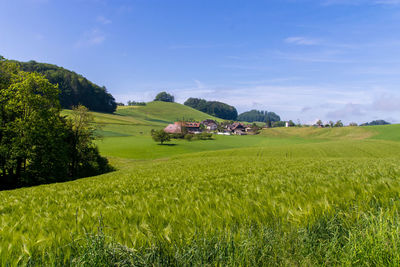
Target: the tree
pixel 261 116
pixel 339 123
pixel 165 97
pixel 214 108
pixel 319 123
pixel 376 122
pixel 32 130
pixel 160 136
pixel 74 88
pixel 354 124
pixel 37 144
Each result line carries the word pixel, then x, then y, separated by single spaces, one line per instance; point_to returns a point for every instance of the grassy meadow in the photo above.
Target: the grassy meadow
pixel 291 197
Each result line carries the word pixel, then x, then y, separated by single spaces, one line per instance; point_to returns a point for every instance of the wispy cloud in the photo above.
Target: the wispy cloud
pixel 349 110
pixel 386 102
pixel 323 56
pixel 360 2
pixel 91 38
pixel 203 46
pixel 103 20
pixel 300 40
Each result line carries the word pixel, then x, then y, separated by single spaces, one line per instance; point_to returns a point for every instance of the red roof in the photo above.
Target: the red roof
pixel 192 124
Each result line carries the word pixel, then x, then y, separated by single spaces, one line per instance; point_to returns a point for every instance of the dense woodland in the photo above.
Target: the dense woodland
pixel 214 108
pixel 376 122
pixel 259 115
pixel 37 144
pixel 74 88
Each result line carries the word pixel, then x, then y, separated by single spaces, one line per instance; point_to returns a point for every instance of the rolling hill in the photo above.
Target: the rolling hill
pixel 164 112
pixel 289 196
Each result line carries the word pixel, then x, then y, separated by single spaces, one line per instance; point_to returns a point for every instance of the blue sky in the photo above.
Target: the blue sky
pixel 303 59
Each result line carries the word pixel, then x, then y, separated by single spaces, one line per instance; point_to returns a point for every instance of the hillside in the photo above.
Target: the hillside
pixel 340 133
pixel 75 89
pixel 164 112
pixel 326 198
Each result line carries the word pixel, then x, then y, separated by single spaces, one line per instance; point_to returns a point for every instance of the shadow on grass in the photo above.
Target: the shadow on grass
pixel 167 144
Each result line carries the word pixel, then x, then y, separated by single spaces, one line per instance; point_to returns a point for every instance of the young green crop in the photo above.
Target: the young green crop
pixel 213 202
pixel 285 197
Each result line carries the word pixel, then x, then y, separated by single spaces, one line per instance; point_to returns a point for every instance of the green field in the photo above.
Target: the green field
pixel 299 196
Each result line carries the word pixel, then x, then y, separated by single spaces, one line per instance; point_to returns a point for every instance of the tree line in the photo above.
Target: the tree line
pixel 214 108
pixel 260 116
pixel 74 88
pixel 37 144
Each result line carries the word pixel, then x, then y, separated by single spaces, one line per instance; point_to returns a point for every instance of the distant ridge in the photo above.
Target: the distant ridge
pixel 75 89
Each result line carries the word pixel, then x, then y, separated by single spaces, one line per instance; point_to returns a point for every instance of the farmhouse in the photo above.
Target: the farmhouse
pixel 237 128
pixel 192 127
pixel 210 125
pixel 173 128
pixel 176 128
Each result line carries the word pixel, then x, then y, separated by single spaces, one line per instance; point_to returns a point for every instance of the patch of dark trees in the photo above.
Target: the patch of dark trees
pixel 376 122
pixel 260 116
pixel 37 144
pixel 164 97
pixel 213 108
pixel 74 88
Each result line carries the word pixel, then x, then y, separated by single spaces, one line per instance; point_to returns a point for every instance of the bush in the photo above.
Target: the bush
pixel 189 137
pixel 204 136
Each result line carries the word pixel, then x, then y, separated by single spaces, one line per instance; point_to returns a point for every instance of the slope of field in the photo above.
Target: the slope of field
pixel 164 112
pixel 386 132
pixel 341 133
pixel 287 197
pixel 321 203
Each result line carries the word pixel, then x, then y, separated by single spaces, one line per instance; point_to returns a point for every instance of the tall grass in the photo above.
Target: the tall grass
pixel 327 203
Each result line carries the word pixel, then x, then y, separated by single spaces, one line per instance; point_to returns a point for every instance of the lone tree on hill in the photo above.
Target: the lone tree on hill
pixel 160 136
pixel 165 97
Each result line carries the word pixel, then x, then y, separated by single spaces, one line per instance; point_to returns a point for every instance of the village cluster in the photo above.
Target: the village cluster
pixel 211 126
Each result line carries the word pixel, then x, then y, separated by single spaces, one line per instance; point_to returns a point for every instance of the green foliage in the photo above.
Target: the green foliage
pixel 214 108
pixel 134 103
pixel 376 122
pixel 204 136
pixel 164 97
pixel 279 124
pixel 160 136
pixel 189 137
pixel 261 116
pixel 339 123
pixel 75 89
pixel 37 145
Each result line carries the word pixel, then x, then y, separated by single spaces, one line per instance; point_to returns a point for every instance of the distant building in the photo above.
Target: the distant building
pixel 236 126
pixel 192 127
pixel 175 128
pixel 210 125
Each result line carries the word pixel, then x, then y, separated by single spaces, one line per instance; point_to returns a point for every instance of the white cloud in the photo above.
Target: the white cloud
pixel 103 20
pixel 360 2
pixel 386 102
pixel 91 38
pixel 299 40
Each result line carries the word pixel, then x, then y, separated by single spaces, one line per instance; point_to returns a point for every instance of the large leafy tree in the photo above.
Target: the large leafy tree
pixel 35 141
